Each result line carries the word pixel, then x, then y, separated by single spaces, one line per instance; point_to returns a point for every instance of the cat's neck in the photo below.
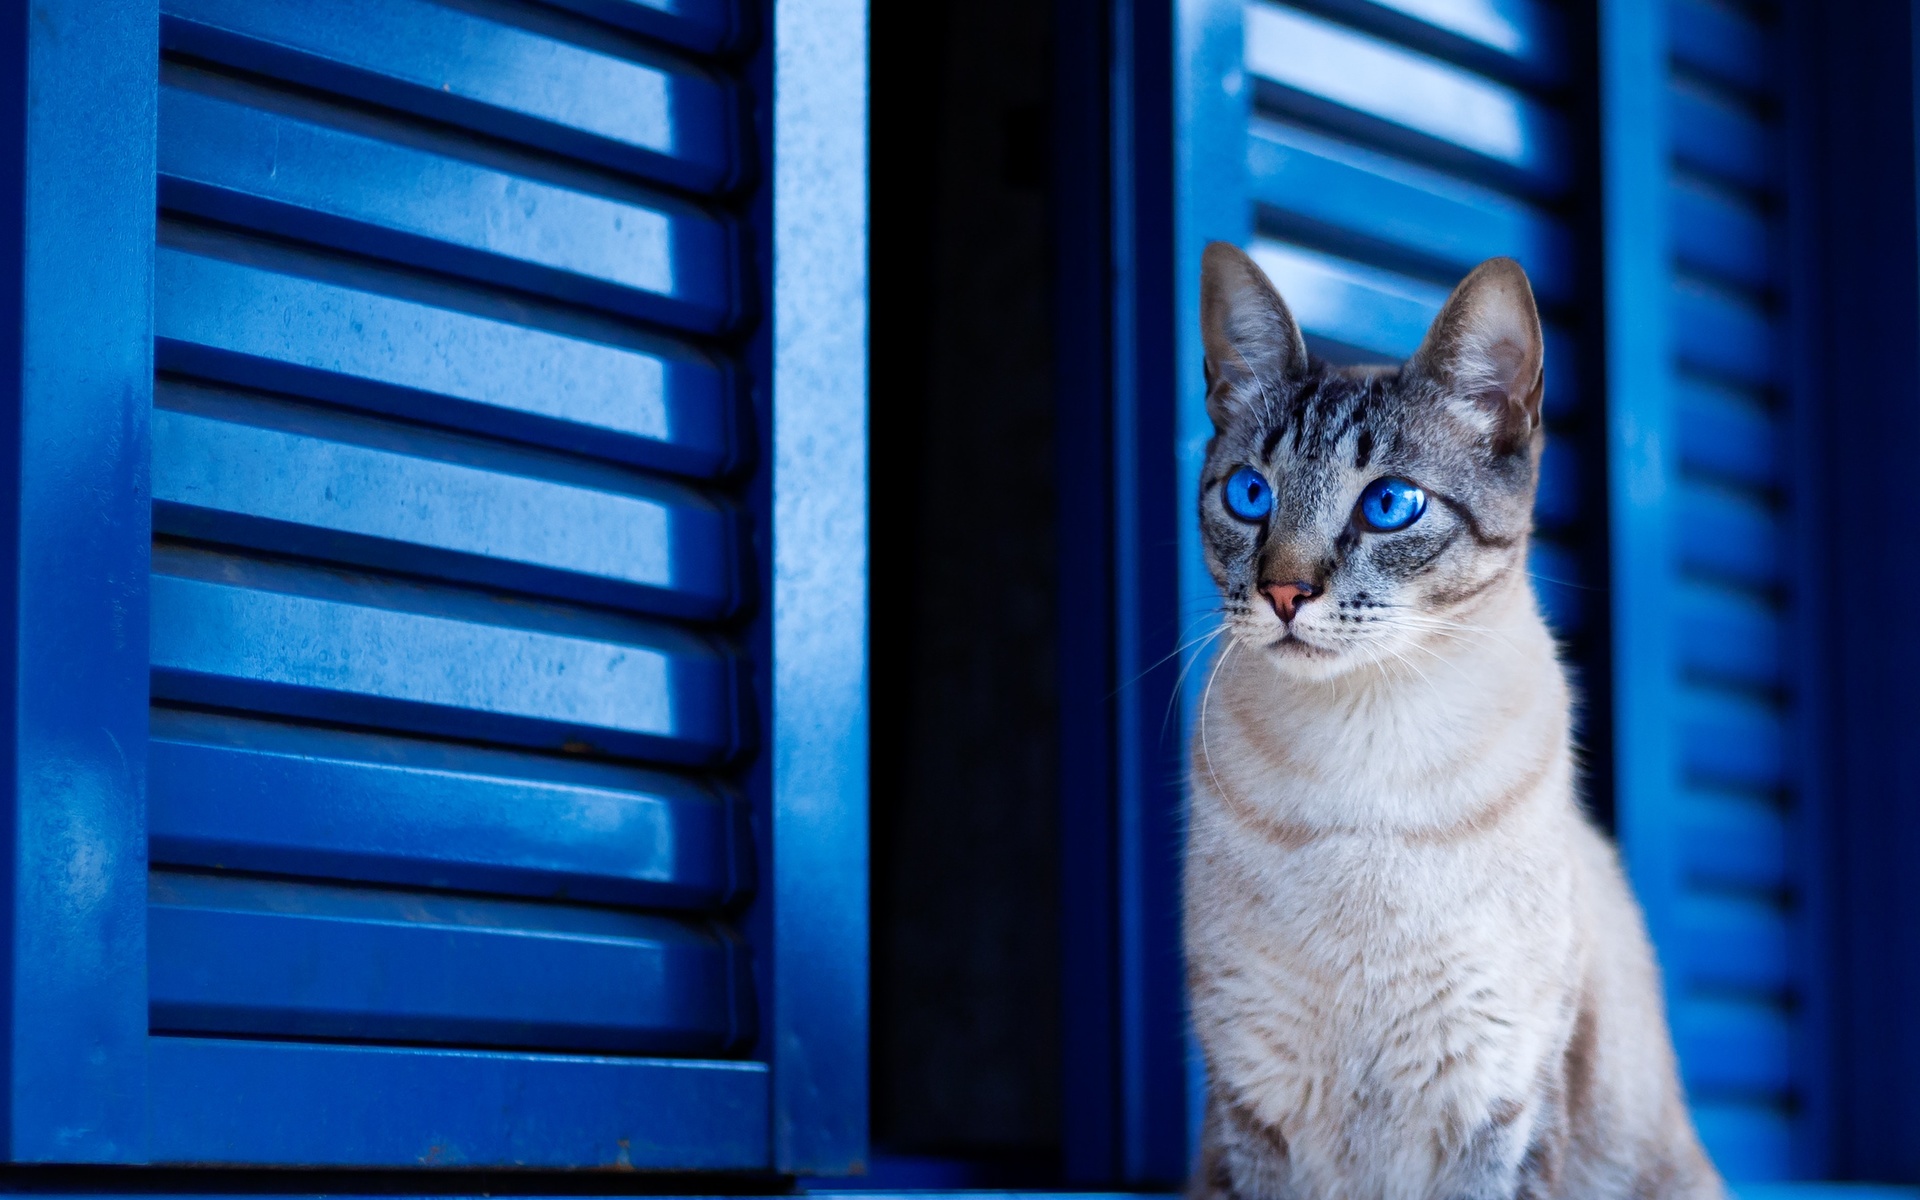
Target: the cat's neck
pixel 1420 742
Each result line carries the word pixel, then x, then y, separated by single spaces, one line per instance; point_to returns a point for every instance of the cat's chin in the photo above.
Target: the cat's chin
pixel 1300 659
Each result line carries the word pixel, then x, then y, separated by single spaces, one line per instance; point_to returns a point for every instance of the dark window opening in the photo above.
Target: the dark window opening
pixel 965 799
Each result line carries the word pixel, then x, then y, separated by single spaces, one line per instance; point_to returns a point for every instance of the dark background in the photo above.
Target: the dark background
pixel 966 845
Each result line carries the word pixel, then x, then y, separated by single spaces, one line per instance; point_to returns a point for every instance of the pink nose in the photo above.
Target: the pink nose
pixel 1287 597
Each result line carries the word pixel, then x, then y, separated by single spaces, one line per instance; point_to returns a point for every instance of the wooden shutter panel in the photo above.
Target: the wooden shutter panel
pixel 448 835
pixel 446 544
pixel 1715 776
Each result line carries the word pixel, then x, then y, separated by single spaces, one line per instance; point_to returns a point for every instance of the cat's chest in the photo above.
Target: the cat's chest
pixel 1427 976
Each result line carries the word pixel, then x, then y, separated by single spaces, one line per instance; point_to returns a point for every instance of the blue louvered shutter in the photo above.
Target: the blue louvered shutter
pixel 505 749
pixel 1715 776
pixel 1368 155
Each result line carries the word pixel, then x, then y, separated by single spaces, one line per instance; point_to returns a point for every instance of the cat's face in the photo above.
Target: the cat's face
pixel 1352 515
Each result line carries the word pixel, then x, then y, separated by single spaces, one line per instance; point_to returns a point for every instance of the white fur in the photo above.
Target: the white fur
pixel 1396 916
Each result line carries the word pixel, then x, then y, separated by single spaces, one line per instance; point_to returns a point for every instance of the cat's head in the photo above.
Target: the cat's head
pixel 1351 515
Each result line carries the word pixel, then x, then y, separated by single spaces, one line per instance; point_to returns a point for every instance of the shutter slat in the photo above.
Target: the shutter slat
pixel 1710 38
pixel 1752 1138
pixel 282 1102
pixel 1516 38
pixel 1733 740
pixel 1734 941
pixel 1400 210
pixel 1734 842
pixel 234 633
pixel 1726 433
pixel 1370 310
pixel 1373 89
pixel 1727 535
pixel 653 118
pixel 707 25
pixel 259 957
pixel 258 796
pixel 1730 1046
pixel 1717 237
pixel 457 654
pixel 1721 139
pixel 581 389
pixel 295 176
pixel 1724 335
pixel 1728 635
pixel 250 472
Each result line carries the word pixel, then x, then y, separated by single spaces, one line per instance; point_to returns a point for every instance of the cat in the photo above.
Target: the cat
pixel 1415 968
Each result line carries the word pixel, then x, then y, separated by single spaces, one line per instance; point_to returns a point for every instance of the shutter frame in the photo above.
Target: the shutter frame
pixel 76 272
pixel 1718 782
pixel 82 1079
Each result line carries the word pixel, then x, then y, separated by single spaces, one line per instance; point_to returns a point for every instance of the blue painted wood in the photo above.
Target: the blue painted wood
pixel 76 233
pixel 249 795
pixel 1734 942
pixel 1378 314
pixel 1712 135
pixel 1721 43
pixel 1384 208
pixel 267 957
pixel 1723 335
pixel 287 1103
pixel 1728 535
pixel 1213 100
pixel 1711 750
pixel 1126 1105
pixel 1728 635
pixel 251 471
pixel 422 252
pixel 1735 841
pixel 818 678
pixel 1331 74
pixel 226 155
pixel 1728 433
pixel 280 638
pixel 247 313
pixel 1751 1134
pixel 651 116
pixel 1735 1046
pixel 1149 1109
pixel 1641 467
pixel 706 25
pixel 1716 235
pixel 1733 740
pixel 1521 39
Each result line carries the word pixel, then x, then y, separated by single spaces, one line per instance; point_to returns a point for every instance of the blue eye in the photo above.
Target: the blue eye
pixel 1248 496
pixel 1390 504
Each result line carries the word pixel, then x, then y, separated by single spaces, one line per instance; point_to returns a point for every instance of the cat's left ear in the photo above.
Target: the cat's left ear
pixel 1486 355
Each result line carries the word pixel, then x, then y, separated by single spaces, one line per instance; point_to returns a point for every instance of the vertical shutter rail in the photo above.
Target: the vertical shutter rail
pixel 1702 489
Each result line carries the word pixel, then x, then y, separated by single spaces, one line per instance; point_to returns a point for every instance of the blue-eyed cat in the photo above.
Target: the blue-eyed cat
pixel 1415 968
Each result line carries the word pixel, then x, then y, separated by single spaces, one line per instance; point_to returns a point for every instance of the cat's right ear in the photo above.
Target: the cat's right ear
pixel 1251 339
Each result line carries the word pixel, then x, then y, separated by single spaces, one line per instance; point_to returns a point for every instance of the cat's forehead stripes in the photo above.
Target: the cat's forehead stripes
pixel 1323 411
